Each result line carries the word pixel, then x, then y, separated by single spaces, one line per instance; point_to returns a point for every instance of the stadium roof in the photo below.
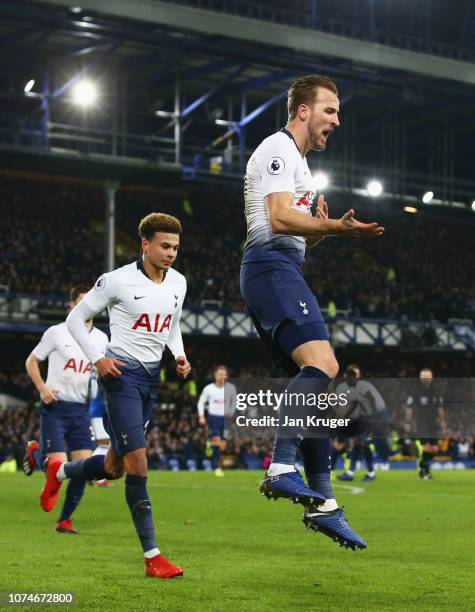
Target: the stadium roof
pixel 218 81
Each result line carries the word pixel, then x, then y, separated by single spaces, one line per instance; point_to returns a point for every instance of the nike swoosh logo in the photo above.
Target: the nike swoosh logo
pixel 138 297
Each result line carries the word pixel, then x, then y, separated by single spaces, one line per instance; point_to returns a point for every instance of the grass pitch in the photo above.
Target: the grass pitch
pixel 242 552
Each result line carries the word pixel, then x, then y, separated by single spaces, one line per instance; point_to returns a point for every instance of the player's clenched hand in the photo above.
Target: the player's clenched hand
pixel 202 421
pixel 349 225
pixel 183 367
pixel 48 396
pixel 108 367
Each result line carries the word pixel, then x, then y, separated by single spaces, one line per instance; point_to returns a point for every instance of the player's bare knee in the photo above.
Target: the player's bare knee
pixel 332 368
pixel 113 469
pixel 135 462
pixel 114 473
pixel 329 365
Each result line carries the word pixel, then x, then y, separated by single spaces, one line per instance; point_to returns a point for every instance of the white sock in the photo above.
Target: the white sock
pixel 350 472
pixel 329 505
pixel 151 553
pixel 60 474
pixel 372 473
pixel 276 469
pixel 101 450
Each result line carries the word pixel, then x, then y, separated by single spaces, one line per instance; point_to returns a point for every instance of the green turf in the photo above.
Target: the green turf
pixel 242 552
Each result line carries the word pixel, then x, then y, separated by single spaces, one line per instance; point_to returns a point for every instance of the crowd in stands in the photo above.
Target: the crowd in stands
pixel 52 237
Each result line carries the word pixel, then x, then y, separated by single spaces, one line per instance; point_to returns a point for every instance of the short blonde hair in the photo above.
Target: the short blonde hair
pixel 158 222
pixel 304 90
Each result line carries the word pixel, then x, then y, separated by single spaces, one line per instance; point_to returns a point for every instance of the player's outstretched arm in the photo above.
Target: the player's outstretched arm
pixel 350 226
pixel 284 220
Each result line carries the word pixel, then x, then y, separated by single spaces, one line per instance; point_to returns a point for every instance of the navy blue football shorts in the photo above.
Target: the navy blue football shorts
pixel 283 309
pixel 64 426
pixel 129 401
pixel 215 426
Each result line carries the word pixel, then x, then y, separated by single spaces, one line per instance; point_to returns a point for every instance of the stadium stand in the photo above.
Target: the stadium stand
pixel 52 233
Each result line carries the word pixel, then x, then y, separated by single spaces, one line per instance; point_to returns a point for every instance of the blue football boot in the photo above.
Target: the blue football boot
pixel 289 486
pixel 334 525
pixel 345 476
pixel 369 478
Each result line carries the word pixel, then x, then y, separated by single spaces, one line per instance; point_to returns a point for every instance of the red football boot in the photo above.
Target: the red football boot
pixel 159 567
pixel 49 494
pixel 65 527
pixel 29 461
pixel 103 483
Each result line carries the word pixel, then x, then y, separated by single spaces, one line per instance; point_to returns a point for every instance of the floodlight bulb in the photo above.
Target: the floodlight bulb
pixel 84 93
pixel 427 197
pixel 321 181
pixel 374 188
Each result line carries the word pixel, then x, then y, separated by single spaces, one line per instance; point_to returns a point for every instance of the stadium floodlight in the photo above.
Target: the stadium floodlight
pixel 374 188
pixel 29 86
pixel 410 209
pixel 473 206
pixel 84 93
pixel 164 114
pixel 427 197
pixel 321 181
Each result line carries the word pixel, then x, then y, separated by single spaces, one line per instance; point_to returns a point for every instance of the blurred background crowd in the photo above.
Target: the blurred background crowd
pixel 52 237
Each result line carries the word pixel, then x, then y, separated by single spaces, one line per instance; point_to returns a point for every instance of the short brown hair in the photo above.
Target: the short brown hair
pixel 76 291
pixel 303 91
pixel 158 222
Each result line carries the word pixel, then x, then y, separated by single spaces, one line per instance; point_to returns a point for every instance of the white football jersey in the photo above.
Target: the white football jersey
pixel 69 370
pixel 275 166
pixel 144 316
pixel 220 400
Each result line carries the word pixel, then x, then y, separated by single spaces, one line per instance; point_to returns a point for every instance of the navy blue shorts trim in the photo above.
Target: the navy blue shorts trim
pixel 129 401
pixel 65 427
pixel 290 335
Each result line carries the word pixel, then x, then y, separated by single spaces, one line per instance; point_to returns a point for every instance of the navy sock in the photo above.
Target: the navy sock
pixel 91 468
pixel 74 492
pixel 285 448
pixel 216 456
pixel 316 461
pixel 141 509
pixel 368 455
pixel 354 456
